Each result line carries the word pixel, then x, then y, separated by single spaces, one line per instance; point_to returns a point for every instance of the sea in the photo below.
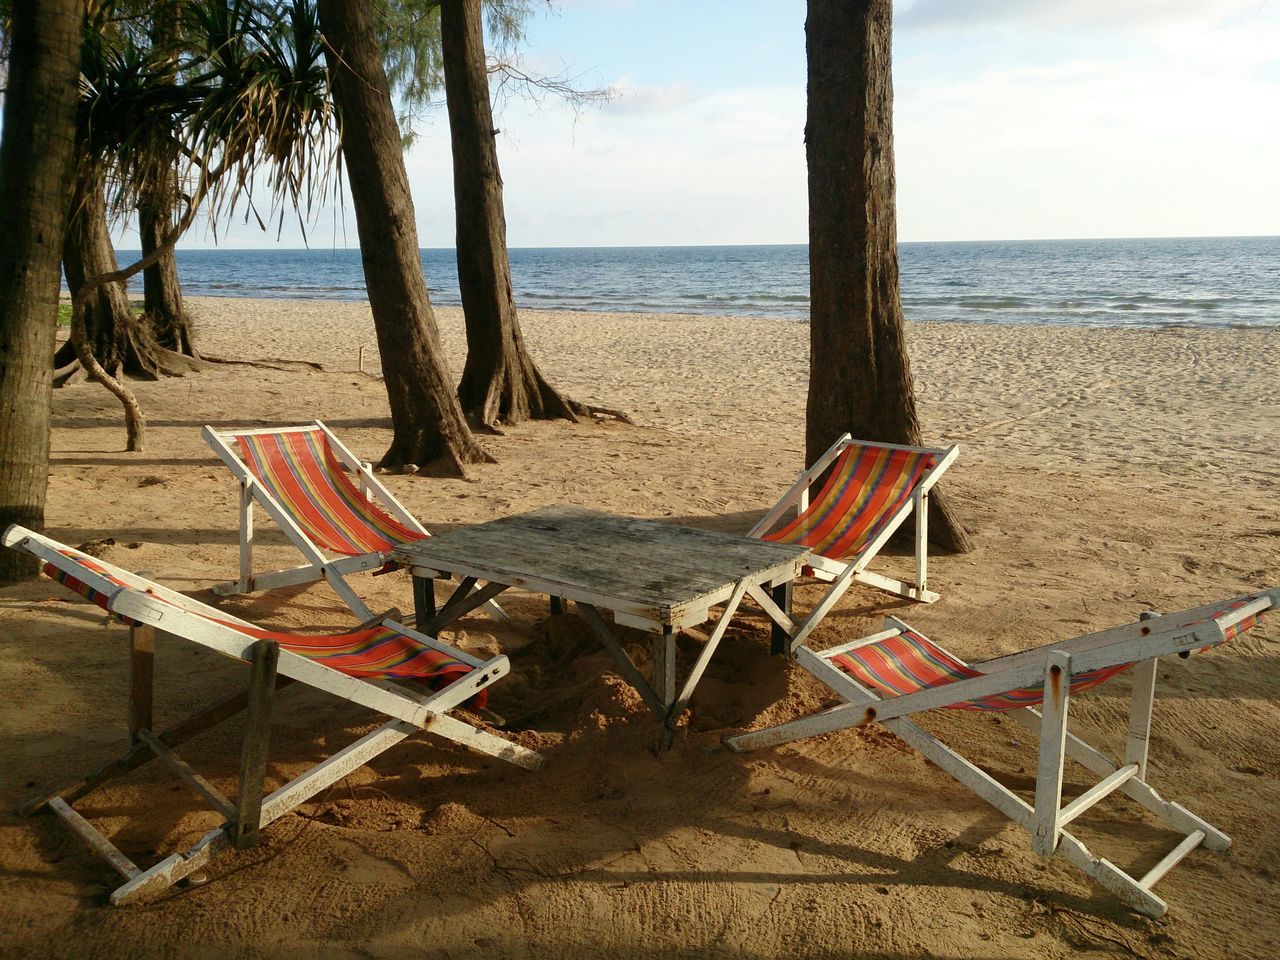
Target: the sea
pixel 1228 282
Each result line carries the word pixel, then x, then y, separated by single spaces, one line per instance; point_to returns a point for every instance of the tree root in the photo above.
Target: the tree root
pixel 266 363
pixel 600 413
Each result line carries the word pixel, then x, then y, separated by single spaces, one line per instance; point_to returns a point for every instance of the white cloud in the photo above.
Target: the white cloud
pixel 1150 146
pixel 1090 13
pixel 727 167
pixel 630 98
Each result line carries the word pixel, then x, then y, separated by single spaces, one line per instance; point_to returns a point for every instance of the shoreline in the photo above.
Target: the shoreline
pixel 135 296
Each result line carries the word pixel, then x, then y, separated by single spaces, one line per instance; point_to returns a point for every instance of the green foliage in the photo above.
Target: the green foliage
pixel 220 90
pixel 409 31
pixel 234 95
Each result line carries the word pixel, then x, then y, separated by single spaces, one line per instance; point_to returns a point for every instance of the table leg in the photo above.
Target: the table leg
pixel 664 666
pixel 779 636
pixel 557 606
pixel 664 680
pixel 626 667
pixel 424 600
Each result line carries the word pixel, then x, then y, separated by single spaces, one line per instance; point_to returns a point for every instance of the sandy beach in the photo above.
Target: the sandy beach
pixel 1102 472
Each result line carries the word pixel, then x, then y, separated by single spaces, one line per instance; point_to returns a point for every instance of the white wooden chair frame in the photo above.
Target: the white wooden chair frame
pixel 318 566
pixel 1141 644
pixel 160 608
pixel 842 574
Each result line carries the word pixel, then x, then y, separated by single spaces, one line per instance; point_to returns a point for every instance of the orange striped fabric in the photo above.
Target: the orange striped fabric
pixel 867 486
pixel 909 662
pixel 379 652
pixel 300 471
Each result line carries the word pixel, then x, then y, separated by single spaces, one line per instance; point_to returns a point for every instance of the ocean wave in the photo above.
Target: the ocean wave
pixel 1228 283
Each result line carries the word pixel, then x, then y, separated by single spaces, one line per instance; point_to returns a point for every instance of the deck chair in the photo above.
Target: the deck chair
pixel 299 476
pixel 894 674
pixel 407 676
pixel 870 491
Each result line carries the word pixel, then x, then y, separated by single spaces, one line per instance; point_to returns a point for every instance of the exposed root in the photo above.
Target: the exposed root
pixel 600 413
pixel 267 364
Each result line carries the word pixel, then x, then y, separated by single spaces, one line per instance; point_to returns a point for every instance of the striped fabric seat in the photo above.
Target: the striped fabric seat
pixel 909 662
pixel 1232 630
pixel 300 471
pixel 867 486
pixel 371 653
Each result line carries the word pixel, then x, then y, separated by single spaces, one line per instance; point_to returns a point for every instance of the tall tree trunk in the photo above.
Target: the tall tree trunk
pixel 428 425
pixel 860 374
pixel 162 306
pixel 35 172
pixel 499 380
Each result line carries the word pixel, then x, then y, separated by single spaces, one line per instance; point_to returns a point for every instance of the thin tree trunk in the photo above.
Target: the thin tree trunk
pixel 860 374
pixel 427 422
pixel 162 306
pixel 499 381
pixel 35 171
pixel 87 251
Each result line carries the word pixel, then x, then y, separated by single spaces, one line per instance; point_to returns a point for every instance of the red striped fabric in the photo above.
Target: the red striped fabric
pixel 1236 629
pixel 909 662
pixel 867 486
pixel 300 471
pixel 373 653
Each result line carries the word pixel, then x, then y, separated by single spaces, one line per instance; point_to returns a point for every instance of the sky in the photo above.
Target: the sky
pixel 1014 119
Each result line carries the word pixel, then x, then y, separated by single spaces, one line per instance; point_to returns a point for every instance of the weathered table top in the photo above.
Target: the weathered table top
pixel 649 573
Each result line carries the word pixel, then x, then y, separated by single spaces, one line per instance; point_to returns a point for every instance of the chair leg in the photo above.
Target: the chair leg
pixel 1137 789
pixel 349 596
pixel 142 642
pixel 257 735
pixel 816 615
pixel 1144 692
pixel 922 541
pixel 246 538
pixel 1144 695
pixel 1111 877
pixel 1045 828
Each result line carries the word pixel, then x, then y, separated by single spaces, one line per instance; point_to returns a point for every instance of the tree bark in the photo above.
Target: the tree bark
pixel 860 374
pixel 115 336
pixel 163 309
pixel 427 422
pixel 35 171
pixel 500 382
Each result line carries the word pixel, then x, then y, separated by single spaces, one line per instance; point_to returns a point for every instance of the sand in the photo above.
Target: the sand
pixel 1102 472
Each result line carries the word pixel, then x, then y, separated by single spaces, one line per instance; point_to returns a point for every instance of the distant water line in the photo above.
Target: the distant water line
pixel 1201 282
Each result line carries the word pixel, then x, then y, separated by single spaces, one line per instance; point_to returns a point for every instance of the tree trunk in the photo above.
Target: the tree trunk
pixel 109 324
pixel 427 422
pixel 499 380
pixel 35 172
pixel 860 374
pixel 162 307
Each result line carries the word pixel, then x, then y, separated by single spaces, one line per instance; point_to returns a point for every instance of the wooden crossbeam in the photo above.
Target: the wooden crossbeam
pixel 95 840
pixel 141 753
pixel 189 776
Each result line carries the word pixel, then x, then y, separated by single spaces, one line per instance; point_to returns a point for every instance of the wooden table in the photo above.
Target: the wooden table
pixel 655 576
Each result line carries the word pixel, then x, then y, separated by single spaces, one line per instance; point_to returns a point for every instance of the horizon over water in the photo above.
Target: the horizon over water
pixel 1199 282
